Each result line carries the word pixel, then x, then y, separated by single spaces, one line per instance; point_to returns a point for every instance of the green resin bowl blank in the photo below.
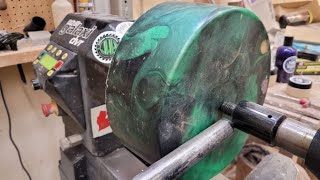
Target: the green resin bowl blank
pixel 172 71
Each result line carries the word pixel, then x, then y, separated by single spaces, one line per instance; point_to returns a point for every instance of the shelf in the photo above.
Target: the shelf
pixel 289 1
pixel 85 5
pixel 24 55
pixel 299 33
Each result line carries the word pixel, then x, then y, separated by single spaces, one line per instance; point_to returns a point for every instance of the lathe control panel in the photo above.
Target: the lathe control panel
pixel 52 58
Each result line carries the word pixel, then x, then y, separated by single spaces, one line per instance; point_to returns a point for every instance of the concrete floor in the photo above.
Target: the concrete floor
pixel 36 136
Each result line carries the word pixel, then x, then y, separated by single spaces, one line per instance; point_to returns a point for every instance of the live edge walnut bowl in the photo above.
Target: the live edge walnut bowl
pixel 172 71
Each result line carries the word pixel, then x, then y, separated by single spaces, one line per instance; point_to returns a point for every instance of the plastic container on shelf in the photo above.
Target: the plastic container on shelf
pixel 60 9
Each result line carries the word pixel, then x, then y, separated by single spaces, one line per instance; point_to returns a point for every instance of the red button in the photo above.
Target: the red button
pixel 58 65
pixel 47 109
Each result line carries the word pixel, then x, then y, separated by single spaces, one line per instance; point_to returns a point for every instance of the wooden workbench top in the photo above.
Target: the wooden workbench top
pixel 281 102
pixel 23 55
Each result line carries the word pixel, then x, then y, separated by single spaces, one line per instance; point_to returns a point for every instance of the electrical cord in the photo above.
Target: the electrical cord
pixel 10 133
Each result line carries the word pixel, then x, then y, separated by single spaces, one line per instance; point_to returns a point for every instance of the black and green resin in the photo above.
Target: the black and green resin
pixel 172 71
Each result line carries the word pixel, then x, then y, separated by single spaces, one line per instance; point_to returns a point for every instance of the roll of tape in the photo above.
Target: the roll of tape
pixel 299 87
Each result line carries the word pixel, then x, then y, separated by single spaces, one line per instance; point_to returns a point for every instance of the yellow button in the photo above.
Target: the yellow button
pixel 36 61
pixel 54 50
pixel 49 73
pixel 64 56
pixel 59 52
pixel 49 47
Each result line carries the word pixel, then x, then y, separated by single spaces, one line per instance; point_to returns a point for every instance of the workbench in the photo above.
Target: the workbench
pixel 23 55
pixel 278 100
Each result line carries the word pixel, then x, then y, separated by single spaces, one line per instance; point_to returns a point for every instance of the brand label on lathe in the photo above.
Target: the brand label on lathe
pixel 75 28
pixel 289 65
pixel 100 121
pixel 105 45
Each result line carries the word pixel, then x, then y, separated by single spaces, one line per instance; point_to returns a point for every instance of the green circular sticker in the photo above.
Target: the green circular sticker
pixel 105 45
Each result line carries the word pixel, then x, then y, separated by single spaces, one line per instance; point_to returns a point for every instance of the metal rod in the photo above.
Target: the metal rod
pixel 185 156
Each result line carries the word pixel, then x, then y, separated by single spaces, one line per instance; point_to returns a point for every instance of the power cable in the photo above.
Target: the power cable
pixel 10 133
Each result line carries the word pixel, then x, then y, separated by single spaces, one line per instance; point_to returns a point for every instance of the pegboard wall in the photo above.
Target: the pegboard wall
pixel 20 12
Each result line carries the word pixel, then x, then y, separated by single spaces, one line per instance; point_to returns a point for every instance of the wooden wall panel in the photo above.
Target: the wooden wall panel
pixel 20 12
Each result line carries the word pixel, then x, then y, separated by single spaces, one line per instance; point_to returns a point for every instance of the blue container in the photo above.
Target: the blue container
pixel 286 58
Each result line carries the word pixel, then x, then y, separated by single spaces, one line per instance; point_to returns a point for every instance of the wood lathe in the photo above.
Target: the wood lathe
pixel 169 96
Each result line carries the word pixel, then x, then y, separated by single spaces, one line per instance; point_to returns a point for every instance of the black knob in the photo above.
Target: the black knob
pixel 312 160
pixel 36 84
